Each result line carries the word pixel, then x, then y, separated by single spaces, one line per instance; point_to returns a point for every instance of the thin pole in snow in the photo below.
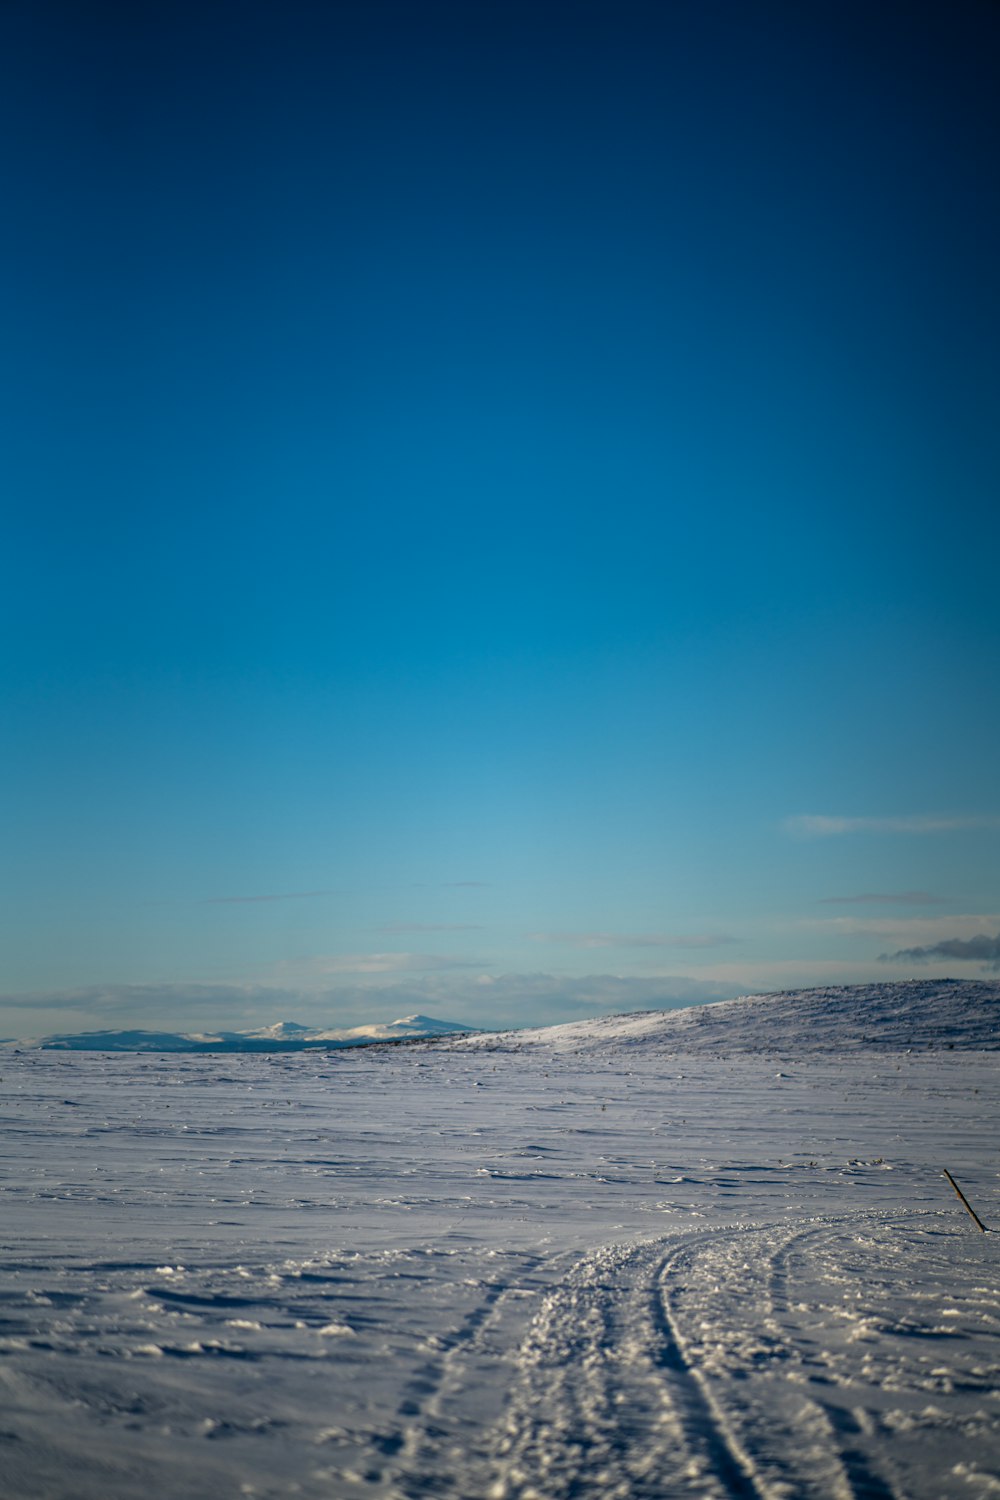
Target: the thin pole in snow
pixel 972 1212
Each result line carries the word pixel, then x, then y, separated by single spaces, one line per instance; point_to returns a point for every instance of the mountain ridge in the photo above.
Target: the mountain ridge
pixel 281 1036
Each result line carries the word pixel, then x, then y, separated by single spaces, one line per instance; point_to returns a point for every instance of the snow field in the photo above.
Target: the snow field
pixel 548 1272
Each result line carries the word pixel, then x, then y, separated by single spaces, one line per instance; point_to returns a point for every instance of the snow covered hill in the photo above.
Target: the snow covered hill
pixel 283 1036
pixel 915 1013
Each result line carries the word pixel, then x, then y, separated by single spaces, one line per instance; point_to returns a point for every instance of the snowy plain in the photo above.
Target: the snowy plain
pixel 675 1254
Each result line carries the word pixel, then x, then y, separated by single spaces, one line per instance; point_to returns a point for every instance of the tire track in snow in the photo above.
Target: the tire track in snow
pixel 605 1406
pixel 761 1360
pixel 719 1308
pixel 423 1435
pixel 669 1370
pixel 859 1476
pixel 454 1391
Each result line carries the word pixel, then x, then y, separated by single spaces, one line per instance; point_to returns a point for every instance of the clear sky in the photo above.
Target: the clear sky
pixel 500 505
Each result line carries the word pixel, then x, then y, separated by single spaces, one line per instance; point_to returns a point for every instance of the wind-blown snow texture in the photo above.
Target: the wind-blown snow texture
pixel 588 1264
pixel 843 1018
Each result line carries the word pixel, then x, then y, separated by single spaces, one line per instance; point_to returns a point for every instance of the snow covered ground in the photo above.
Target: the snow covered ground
pixel 580 1264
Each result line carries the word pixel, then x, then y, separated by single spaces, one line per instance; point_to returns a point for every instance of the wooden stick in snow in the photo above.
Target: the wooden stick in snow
pixel 972 1212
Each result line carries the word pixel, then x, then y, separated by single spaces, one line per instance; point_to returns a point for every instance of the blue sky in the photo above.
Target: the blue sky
pixel 500 506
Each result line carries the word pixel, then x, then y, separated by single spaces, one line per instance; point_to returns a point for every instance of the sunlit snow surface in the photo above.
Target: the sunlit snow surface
pixel 555 1270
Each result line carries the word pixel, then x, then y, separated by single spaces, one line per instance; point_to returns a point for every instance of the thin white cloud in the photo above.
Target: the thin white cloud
pixel 633 939
pixel 282 896
pixel 884 898
pixel 806 973
pixel 820 825
pixel 917 930
pixel 115 999
pixel 318 966
pixel 399 927
pixel 542 998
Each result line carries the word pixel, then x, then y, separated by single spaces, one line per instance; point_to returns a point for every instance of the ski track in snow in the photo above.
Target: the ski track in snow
pixel 448 1274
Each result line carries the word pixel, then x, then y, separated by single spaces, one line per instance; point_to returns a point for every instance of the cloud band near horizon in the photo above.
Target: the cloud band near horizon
pixel 822 825
pixel 634 939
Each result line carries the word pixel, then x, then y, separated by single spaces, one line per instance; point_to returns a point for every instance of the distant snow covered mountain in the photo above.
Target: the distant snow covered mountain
pixel 283 1036
pixel 915 1014
pixel 910 1014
